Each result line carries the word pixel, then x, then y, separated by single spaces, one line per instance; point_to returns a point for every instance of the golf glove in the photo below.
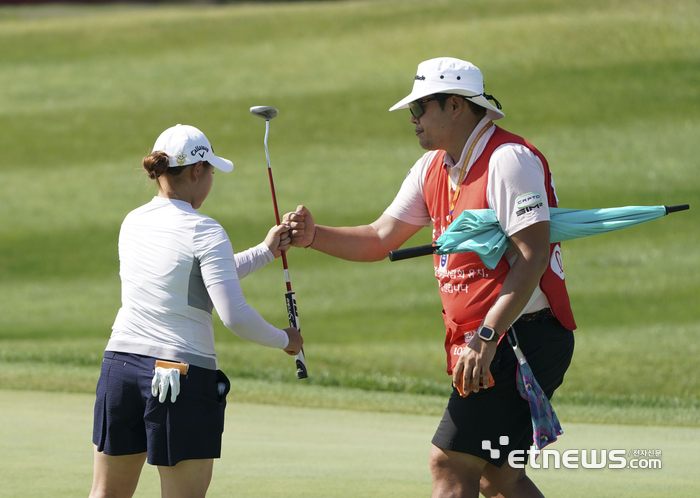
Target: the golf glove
pixel 163 378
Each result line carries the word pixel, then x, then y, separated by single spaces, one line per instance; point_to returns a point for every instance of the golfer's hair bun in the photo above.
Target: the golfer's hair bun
pixel 155 164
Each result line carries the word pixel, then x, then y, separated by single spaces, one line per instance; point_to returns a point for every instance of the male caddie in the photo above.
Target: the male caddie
pixel 473 164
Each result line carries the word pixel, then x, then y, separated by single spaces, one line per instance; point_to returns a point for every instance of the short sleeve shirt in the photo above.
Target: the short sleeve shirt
pixel 515 173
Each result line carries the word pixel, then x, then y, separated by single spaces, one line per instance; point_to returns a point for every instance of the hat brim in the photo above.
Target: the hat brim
pixel 491 111
pixel 220 163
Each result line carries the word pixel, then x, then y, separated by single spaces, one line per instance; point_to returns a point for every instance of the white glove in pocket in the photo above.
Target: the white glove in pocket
pixel 164 378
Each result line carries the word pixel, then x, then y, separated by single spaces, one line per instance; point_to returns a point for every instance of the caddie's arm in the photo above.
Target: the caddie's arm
pixel 359 243
pixel 532 245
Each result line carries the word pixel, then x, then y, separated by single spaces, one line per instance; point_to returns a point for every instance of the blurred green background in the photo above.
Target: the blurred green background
pixel 609 91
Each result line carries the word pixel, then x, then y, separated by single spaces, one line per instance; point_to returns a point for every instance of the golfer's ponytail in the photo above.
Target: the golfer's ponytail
pixel 155 164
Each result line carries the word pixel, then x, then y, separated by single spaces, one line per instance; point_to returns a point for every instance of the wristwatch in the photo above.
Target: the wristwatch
pixel 487 334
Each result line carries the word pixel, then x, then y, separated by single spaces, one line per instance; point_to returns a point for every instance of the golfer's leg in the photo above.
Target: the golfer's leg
pixel 187 479
pixel 116 476
pixel 455 475
pixel 507 482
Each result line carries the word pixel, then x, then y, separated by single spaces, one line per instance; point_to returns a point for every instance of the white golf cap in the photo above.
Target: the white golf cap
pixel 185 145
pixel 449 75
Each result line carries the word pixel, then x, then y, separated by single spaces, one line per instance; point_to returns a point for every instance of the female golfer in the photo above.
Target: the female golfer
pixel 160 396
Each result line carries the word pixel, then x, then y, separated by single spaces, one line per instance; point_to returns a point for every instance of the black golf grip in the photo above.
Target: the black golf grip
pixel 675 209
pixel 411 252
pixel 293 316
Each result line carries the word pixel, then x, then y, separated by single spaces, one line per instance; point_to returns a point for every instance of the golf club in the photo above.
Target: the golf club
pixel 268 113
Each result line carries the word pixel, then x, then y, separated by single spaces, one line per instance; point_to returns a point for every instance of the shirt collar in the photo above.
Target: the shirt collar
pixel 448 159
pixel 183 205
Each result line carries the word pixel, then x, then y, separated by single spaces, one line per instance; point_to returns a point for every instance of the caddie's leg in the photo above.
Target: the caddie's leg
pixel 116 476
pixel 187 479
pixel 455 474
pixel 507 482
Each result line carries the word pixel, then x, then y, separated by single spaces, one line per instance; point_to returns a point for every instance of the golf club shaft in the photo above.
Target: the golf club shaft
pixel 274 203
pixel 290 296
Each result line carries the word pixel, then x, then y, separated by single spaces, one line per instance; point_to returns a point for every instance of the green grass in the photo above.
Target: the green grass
pixel 274 451
pixel 351 377
pixel 607 90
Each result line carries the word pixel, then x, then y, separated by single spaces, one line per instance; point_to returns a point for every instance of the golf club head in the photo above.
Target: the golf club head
pixel 264 111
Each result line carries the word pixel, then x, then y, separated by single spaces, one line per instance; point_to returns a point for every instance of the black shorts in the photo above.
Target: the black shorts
pixel 129 419
pixel 499 412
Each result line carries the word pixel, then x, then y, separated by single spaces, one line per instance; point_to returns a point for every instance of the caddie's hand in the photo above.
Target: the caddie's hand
pixel 473 366
pixel 303 226
pixel 295 341
pixel 278 239
pixel 162 379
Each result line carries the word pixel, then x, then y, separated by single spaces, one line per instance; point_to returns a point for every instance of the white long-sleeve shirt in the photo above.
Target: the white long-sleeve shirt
pixel 176 265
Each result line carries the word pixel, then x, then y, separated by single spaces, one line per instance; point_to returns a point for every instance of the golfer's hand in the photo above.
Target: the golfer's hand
pixel 303 226
pixel 278 239
pixel 295 341
pixel 473 366
pixel 164 378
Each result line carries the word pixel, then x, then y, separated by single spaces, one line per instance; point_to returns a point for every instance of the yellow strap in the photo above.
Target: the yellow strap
pixel 463 169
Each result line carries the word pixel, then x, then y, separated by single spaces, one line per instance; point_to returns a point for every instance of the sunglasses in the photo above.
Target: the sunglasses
pixel 416 107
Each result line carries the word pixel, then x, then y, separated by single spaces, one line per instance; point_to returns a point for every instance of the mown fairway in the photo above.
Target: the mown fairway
pixel 608 91
pixel 281 451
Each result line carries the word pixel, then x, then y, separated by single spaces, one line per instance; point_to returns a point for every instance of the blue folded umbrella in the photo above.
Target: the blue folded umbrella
pixel 478 230
pixel 545 424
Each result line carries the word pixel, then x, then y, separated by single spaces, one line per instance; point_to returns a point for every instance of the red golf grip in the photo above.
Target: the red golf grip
pixel 412 252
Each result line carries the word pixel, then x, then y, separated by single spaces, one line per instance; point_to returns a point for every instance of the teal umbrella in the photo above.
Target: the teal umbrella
pixel 478 230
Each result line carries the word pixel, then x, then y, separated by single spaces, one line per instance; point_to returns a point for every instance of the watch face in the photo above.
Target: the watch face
pixel 486 333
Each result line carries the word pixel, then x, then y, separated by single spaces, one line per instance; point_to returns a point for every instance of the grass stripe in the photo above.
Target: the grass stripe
pixel 282 451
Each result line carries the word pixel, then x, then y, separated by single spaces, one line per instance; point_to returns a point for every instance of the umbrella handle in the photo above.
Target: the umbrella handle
pixel 513 340
pixel 412 252
pixel 675 209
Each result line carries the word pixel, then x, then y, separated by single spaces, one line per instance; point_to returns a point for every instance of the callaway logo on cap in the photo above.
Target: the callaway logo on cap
pixel 185 145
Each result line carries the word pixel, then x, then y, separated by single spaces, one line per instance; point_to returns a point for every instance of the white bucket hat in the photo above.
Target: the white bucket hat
pixel 449 75
pixel 185 145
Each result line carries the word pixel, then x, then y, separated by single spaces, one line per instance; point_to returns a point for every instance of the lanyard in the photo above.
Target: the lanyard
pixel 463 169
